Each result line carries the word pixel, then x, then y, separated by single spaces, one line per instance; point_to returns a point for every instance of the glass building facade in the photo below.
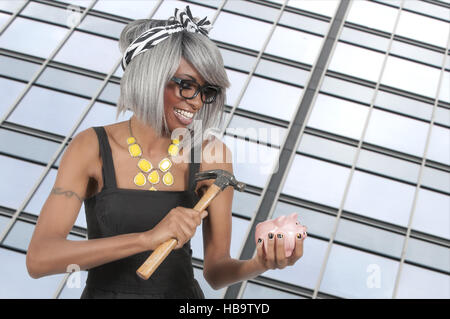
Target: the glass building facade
pixel 346 105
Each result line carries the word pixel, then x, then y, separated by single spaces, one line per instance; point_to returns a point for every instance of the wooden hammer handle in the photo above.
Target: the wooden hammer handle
pixel 163 250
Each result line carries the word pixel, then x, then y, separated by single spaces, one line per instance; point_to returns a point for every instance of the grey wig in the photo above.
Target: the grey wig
pixel 146 76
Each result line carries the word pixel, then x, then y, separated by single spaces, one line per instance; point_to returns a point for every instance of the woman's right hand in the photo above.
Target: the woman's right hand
pixel 180 223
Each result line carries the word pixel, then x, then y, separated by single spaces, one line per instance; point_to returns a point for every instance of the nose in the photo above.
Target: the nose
pixel 196 103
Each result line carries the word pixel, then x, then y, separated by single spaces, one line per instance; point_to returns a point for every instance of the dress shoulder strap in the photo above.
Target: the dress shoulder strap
pixel 109 176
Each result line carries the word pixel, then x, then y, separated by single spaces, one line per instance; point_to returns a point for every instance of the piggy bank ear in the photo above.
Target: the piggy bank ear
pixel 293 218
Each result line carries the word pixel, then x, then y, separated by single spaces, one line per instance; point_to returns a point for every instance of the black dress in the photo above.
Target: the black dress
pixel 114 211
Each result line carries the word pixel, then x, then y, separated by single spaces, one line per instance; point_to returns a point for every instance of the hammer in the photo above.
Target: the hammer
pixel 223 180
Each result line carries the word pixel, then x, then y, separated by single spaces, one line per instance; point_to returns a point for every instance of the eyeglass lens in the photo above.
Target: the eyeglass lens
pixel 189 89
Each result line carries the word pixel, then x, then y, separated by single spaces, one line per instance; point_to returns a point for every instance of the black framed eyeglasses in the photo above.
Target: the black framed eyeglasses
pixel 189 89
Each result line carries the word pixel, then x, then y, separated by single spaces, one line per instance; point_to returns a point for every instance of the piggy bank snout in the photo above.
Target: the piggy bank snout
pixel 288 226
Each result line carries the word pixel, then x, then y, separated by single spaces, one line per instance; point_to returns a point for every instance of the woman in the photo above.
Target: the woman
pixel 136 195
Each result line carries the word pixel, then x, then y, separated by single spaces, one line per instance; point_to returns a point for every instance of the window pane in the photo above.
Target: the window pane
pixel 323 7
pixel 429 9
pixel 3 222
pixel 237 60
pixel 9 91
pixel 366 276
pixel 257 130
pixel 240 31
pixel 369 238
pixel 245 204
pixel 432 213
pixel 319 224
pixel 420 283
pixel 252 9
pixel 356 92
pixel 237 80
pixel 80 3
pixel 118 72
pixel 16 68
pixel 444 92
pixel 21 177
pixel 46 12
pixel 294 45
pixel 133 9
pixel 206 288
pixel 252 163
pixel 439 142
pixel 255 291
pixel 17 284
pixel 338 116
pixel 41 39
pixel 100 115
pixel 167 9
pixel 271 98
pixel 57 112
pixel 388 165
pixel 89 52
pixel 435 178
pixel 404 105
pixel 421 28
pixel 26 146
pixel 11 6
pixel 69 81
pixel 372 15
pixel 210 3
pixel 380 198
pixel 417 53
pixel 239 231
pixel 327 149
pixel 357 62
pixel 305 271
pixel 102 26
pixel 320 181
pixel 110 93
pixel 20 235
pixel 397 132
pixel 364 39
pixel 74 292
pixel 305 23
pixel 3 18
pixel 411 76
pixel 428 254
pixel 442 116
pixel 282 72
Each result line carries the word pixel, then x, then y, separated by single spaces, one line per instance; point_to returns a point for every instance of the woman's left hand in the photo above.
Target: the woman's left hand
pixel 275 258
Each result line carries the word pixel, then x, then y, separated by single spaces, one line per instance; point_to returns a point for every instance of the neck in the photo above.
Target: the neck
pixel 147 137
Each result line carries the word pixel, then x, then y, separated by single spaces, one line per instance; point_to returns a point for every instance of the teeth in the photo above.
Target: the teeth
pixel 186 114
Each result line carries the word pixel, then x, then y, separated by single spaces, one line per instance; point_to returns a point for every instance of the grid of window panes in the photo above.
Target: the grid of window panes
pixel 370 177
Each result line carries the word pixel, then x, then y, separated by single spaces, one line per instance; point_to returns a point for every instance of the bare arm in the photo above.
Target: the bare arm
pixel 220 269
pixel 49 251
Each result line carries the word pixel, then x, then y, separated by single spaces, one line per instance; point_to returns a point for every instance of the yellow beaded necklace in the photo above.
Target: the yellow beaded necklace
pixel 146 167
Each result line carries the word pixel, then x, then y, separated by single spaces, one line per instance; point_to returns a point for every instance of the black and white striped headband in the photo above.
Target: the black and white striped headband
pixel 153 36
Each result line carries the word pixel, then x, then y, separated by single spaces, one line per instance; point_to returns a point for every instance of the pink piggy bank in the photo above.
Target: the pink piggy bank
pixel 286 225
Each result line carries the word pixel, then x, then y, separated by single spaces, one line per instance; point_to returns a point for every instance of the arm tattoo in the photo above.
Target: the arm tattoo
pixel 60 191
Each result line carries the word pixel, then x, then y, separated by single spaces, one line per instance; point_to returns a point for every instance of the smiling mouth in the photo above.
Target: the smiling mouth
pixel 187 115
pixel 183 116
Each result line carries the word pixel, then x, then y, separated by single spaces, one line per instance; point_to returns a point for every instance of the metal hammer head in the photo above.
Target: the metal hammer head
pixel 222 179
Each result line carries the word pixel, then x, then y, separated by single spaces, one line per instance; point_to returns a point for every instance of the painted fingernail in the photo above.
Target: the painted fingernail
pixel 270 236
pixel 280 236
pixel 299 236
pixel 259 240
